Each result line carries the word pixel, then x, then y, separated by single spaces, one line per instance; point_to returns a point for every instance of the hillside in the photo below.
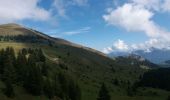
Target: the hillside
pixel 88 67
pixel 15 30
pixel 159 78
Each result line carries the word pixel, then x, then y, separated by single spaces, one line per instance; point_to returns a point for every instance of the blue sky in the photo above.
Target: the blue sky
pixel 105 25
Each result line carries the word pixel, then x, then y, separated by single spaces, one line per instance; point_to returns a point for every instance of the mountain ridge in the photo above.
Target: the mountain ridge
pixel 22 30
pixel 157 56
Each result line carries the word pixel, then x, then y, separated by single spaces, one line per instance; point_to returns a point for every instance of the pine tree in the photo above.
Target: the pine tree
pixel 74 91
pixel 9 70
pixel 2 57
pixel 44 69
pixel 103 93
pixel 21 65
pixel 41 55
pixel 63 85
pixel 57 86
pixel 24 51
pixel 9 76
pixel 9 91
pixel 33 82
pixel 10 52
pixel 168 98
pixel 49 88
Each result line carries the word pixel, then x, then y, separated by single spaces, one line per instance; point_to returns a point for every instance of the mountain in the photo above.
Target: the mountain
pixel 36 66
pixel 118 53
pixel 157 56
pixel 136 60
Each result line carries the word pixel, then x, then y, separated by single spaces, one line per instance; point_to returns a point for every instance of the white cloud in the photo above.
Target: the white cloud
pixel 155 43
pixel 118 45
pixel 137 16
pixel 82 30
pixel 107 50
pixel 18 10
pixel 133 18
pixel 156 5
pixel 121 46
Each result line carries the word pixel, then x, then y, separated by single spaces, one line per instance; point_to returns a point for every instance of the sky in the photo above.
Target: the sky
pixel 105 25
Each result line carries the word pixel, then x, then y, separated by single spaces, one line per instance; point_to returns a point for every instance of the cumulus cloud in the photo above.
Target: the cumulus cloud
pixel 118 45
pixel 18 10
pixel 107 50
pixel 136 16
pixel 121 46
pixel 156 43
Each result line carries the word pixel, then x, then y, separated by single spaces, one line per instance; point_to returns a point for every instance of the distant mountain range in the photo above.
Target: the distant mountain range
pixel 158 56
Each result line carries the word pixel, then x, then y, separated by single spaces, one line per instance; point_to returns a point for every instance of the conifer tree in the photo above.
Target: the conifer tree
pixel 33 83
pixel 9 77
pixel 103 93
pixel 9 70
pixel 9 91
pixel 44 69
pixel 74 91
pixel 21 65
pixel 2 57
pixel 63 85
pixel 49 88
pixel 41 55
pixel 10 52
pixel 168 98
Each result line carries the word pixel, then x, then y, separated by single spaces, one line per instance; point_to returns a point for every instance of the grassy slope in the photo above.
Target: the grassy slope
pixel 89 69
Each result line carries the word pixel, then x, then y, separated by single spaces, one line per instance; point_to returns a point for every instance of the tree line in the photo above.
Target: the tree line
pixel 26 38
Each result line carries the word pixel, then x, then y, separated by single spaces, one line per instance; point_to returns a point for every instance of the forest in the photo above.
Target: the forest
pixel 29 69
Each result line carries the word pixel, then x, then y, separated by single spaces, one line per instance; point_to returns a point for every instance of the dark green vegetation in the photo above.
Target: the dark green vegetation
pixel 158 78
pixel 103 93
pixel 46 68
pixel 136 61
pixel 30 71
